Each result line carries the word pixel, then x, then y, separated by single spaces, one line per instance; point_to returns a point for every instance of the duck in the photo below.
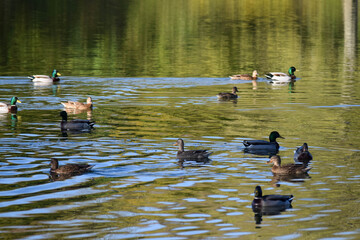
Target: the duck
pixel 245 76
pixel 9 108
pixel 269 204
pixel 280 77
pixel 270 200
pixel 75 125
pixel 287 169
pixel 191 154
pixel 68 168
pixel 45 78
pixel 79 105
pixel 302 154
pixel 227 95
pixel 262 145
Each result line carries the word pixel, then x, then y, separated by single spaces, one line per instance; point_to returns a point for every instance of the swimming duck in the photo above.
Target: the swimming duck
pixel 280 201
pixel 12 108
pixel 68 168
pixel 287 169
pixel 245 76
pixel 302 154
pixel 227 95
pixel 263 145
pixel 44 78
pixel 75 125
pixel 78 105
pixel 191 154
pixel 279 77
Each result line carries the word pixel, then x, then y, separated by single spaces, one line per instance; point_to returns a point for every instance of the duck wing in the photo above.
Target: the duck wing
pixel 248 143
pixel 74 168
pixel 194 154
pixel 274 197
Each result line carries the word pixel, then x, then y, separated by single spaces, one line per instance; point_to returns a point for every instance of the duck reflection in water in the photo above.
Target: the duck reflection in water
pixel 183 163
pixel 269 204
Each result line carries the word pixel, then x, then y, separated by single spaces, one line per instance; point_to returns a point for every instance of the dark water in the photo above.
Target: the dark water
pixel 153 69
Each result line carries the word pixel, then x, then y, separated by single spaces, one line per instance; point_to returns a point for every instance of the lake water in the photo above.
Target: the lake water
pixel 153 69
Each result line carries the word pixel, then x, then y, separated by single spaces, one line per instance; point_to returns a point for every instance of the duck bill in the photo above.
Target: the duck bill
pixel 18 101
pixel 281 137
pixel 175 144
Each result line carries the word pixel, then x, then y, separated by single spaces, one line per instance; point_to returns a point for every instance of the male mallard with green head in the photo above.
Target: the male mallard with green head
pixel 44 78
pixel 9 108
pixel 282 77
pixel 271 146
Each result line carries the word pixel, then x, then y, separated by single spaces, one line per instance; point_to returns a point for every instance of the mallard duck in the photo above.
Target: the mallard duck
pixel 78 105
pixel 12 108
pixel 69 168
pixel 282 77
pixel 191 154
pixel 263 145
pixel 75 125
pixel 287 169
pixel 45 78
pixel 269 204
pixel 245 76
pixel 302 154
pixel 227 95
pixel 270 200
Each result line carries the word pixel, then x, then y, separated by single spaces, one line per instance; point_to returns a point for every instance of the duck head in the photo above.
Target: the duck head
pixel 305 147
pixel 255 74
pixel 234 90
pixel 54 164
pixel 258 192
pixel 180 143
pixel 274 135
pixel 291 71
pixel 63 114
pixel 89 100
pixel 55 74
pixel 276 160
pixel 14 100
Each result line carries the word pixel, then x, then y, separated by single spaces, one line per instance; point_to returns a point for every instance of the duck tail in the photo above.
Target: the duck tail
pixel 268 75
pixel 31 77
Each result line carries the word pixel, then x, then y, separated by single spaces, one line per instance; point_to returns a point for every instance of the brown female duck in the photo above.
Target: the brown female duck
pixel 191 154
pixel 68 168
pixel 245 76
pixel 287 169
pixel 79 105
pixel 227 95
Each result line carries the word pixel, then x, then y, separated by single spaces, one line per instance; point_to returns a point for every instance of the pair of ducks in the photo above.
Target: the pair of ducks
pixel 273 76
pixel 302 154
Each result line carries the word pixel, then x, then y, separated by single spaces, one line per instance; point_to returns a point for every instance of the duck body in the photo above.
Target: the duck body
pixel 68 168
pixel 191 154
pixel 280 77
pixel 302 154
pixel 227 95
pixel 75 125
pixel 261 145
pixel 245 76
pixel 287 169
pixel 270 201
pixel 79 105
pixel 45 78
pixel 9 108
